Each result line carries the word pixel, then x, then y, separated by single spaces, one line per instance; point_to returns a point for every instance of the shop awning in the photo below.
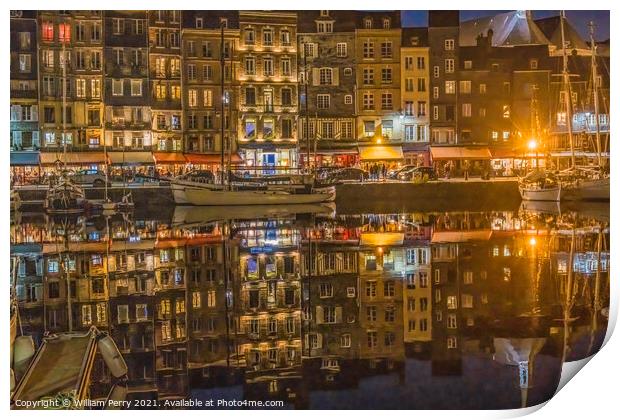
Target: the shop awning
pixel 73 158
pixel 210 159
pixel 24 158
pixel 503 153
pixel 169 158
pixel 381 153
pixel 460 152
pixel 130 158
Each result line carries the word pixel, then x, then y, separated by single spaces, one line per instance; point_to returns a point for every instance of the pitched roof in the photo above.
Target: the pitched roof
pixel 415 37
pixel 551 28
pixel 511 28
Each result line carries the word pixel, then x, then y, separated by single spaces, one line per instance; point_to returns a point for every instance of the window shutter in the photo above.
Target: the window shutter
pixel 35 137
pixel 319 314
pixel 315 77
pixel 20 291
pixel 338 314
pixel 39 267
pixel 306 342
pixel 38 292
pixel 17 137
pixel 15 112
pixel 335 76
pixel 34 116
pixel 319 340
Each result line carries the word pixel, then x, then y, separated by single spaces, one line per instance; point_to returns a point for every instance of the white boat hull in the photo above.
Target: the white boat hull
pixel 184 194
pixel 541 194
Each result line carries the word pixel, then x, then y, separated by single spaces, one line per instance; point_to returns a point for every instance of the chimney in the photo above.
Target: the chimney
pixel 490 38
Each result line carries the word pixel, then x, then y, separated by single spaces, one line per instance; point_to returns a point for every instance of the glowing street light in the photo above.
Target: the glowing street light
pixel 379 140
pixel 533 241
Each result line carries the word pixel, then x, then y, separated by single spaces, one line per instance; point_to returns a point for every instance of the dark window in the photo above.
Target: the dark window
pixel 54 290
pixel 49 114
pixel 289 297
pixel 250 96
pixel 253 298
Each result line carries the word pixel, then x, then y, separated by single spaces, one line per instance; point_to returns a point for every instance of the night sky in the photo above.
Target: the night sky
pixel 578 18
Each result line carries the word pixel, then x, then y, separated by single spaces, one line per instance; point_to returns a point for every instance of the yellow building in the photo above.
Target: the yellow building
pixel 377 46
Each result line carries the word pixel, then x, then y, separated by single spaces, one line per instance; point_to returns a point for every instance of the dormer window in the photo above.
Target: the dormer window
pixel 368 23
pixel 324 27
pixel 386 23
pixel 415 41
pixel 224 23
pixel 324 13
pixel 198 23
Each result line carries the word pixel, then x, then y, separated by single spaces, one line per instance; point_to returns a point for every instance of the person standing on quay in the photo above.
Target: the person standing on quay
pixel 466 170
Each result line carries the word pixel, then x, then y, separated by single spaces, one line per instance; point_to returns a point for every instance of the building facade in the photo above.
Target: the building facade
pixel 326 54
pixel 268 107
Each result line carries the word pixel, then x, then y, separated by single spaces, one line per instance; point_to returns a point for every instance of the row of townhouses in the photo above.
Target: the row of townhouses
pixel 161 90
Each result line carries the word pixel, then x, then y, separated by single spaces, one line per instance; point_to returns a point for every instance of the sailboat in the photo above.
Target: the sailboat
pixel 588 183
pixel 190 189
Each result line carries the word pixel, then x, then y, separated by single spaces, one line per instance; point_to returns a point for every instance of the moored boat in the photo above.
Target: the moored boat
pixel 208 196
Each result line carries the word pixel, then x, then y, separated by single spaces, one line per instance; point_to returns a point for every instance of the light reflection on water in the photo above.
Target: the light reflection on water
pixel 320 310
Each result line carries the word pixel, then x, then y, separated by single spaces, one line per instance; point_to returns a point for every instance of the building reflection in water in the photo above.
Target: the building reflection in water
pixel 433 310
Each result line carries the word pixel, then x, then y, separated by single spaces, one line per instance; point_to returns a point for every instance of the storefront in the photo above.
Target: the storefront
pixel 416 154
pixel 330 158
pixel 379 159
pixel 211 162
pixel 454 160
pixel 126 165
pixel 269 159
pixel 25 168
pixel 169 164
pixel 508 162
pixel 52 161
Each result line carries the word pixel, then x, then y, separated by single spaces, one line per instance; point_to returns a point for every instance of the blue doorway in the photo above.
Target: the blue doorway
pixel 269 163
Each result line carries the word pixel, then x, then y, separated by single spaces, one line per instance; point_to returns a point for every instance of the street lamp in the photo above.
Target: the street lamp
pixel 379 140
pixel 533 146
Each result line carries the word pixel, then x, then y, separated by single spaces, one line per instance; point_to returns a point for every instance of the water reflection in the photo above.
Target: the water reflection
pixel 418 310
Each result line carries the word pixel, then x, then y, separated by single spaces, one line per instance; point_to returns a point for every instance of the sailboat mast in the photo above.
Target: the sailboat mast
pixel 595 89
pixel 64 106
pixel 222 101
pixel 567 95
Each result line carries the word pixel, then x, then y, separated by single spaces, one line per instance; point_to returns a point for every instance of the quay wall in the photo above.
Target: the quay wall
pixel 354 198
pixel 428 197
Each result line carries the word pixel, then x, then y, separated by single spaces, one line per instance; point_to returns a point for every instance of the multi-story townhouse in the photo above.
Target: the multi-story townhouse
pixel 326 56
pixel 206 107
pixel 164 64
pixel 415 95
pixel 70 88
pixel 24 133
pixel 377 61
pixel 126 89
pixel 443 41
pixel 268 81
